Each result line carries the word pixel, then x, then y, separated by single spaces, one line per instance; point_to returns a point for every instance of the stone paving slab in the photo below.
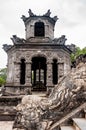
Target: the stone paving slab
pixel 80 122
pixel 6 125
pixel 67 128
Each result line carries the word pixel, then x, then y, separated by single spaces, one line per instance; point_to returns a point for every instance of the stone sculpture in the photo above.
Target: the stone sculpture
pixel 6 47
pixel 48 13
pixel 36 113
pixel 17 40
pixel 31 13
pixel 60 41
pixel 24 18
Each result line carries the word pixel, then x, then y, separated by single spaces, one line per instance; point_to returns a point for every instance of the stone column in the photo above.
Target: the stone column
pixel 60 70
pixel 28 74
pixel 17 73
pixel 49 74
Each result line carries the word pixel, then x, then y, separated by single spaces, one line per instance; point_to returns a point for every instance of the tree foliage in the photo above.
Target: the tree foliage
pixel 78 53
pixel 3 76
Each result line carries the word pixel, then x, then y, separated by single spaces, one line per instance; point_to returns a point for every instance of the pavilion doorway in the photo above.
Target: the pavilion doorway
pixel 38 74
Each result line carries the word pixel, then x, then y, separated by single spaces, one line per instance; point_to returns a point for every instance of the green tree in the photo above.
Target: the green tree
pixel 78 53
pixel 2 81
pixel 3 76
pixel 84 50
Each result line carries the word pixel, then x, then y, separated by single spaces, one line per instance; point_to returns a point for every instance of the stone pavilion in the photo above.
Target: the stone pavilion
pixel 38 62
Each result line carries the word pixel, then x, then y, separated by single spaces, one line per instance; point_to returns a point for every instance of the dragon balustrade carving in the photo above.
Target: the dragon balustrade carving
pixel 38 113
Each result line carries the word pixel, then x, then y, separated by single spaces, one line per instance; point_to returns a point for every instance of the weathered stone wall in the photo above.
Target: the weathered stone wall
pixel 48 28
pixel 62 57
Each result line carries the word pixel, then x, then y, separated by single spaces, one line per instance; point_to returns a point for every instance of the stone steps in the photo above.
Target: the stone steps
pixel 78 124
pixel 6 125
pixel 68 116
pixel 7 107
pixel 67 128
pixel 85 112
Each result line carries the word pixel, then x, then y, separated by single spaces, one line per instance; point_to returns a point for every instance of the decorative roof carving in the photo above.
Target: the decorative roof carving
pixel 31 13
pixel 17 40
pixel 55 18
pixel 24 18
pixel 6 47
pixel 72 47
pixel 60 41
pixel 47 13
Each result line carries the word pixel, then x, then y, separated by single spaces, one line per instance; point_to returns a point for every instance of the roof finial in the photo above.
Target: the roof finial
pixel 47 13
pixel 30 12
pixel 55 18
pixel 23 18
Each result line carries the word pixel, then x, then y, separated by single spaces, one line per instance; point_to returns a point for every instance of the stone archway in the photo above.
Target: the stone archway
pixel 38 73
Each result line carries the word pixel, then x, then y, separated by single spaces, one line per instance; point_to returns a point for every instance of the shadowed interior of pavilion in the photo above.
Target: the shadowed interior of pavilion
pixel 38 74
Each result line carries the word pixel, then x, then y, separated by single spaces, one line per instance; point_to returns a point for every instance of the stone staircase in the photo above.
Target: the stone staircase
pixel 7 111
pixel 7 107
pixel 67 128
pixel 6 125
pixel 69 122
pixel 72 123
pixel 78 124
pixel 76 120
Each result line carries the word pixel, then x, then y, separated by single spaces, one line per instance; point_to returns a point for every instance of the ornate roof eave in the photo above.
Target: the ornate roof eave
pixel 47 46
pixel 61 41
pixel 32 15
pixel 16 41
pixel 7 47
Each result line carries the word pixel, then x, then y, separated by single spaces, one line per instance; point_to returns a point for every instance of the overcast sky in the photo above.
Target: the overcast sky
pixel 71 14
